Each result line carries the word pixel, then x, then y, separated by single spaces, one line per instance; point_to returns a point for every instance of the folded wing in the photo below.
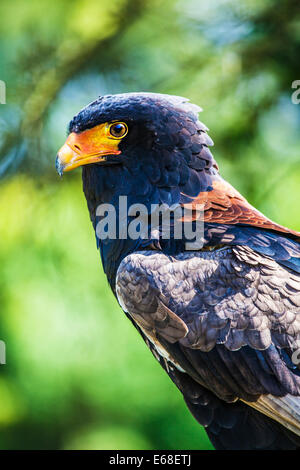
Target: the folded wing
pixel 228 318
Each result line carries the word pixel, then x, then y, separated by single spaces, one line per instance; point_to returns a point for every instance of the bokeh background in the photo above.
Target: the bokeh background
pixel 78 376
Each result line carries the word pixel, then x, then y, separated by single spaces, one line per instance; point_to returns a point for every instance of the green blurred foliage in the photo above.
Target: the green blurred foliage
pixel 78 376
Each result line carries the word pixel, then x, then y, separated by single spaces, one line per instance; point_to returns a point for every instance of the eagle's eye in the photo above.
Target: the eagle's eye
pixel 118 130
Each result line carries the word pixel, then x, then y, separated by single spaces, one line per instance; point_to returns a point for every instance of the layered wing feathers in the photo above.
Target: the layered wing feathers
pixel 228 318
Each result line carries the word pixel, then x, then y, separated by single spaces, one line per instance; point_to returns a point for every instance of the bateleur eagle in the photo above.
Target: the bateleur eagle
pixel 223 320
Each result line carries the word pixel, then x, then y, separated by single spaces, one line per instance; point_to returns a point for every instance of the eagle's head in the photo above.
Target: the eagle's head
pixel 160 135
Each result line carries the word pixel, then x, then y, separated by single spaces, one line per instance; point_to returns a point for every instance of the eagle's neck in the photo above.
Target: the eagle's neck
pixel 148 180
pixel 105 185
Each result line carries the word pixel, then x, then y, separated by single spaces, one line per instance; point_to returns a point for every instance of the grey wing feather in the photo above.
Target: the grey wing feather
pixel 233 296
pixel 223 317
pixel 141 299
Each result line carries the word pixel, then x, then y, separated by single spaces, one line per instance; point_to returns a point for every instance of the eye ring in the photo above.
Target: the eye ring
pixel 118 130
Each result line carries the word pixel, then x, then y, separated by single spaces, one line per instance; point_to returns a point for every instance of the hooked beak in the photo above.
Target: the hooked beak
pixel 90 146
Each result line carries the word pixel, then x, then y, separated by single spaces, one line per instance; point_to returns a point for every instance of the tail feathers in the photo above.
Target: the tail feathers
pixel 269 423
pixel 237 426
pixel 285 410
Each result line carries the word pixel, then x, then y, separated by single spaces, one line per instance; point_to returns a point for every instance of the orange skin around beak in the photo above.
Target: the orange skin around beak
pixel 89 146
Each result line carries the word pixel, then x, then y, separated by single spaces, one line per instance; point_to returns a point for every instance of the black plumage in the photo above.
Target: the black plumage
pixel 223 321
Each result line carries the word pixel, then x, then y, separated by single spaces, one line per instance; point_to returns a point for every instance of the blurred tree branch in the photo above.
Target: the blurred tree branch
pixel 71 57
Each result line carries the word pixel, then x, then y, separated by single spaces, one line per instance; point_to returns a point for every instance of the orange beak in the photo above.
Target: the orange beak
pixel 90 146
